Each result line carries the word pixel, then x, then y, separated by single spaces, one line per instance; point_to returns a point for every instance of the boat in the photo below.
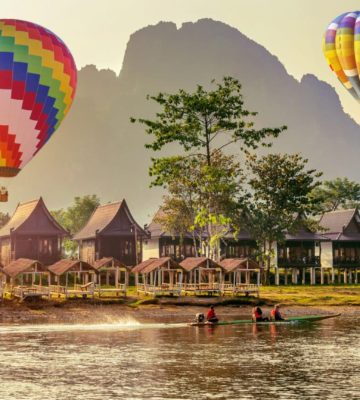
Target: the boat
pixel 303 318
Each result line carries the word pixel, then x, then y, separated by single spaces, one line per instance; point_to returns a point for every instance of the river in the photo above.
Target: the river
pixel 132 360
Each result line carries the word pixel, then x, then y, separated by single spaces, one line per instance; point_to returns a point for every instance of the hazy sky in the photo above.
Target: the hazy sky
pixel 97 31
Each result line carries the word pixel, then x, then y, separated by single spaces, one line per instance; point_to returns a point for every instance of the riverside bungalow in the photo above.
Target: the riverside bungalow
pixel 242 275
pixel 159 276
pixel 161 243
pixel 25 279
pixel 115 273
pixel 342 252
pixel 298 255
pixel 111 232
pixel 31 233
pixel 72 278
pixel 203 276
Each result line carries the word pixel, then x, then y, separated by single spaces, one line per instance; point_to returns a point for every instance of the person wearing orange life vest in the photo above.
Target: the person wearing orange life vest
pixel 275 314
pixel 257 315
pixel 211 316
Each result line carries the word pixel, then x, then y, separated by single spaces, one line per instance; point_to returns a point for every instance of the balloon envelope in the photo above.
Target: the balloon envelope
pixel 37 87
pixel 341 47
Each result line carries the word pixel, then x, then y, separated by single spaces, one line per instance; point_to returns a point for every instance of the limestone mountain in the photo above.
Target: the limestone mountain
pixel 97 150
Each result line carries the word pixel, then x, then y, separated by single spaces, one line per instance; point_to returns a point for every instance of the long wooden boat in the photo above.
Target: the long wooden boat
pixel 303 318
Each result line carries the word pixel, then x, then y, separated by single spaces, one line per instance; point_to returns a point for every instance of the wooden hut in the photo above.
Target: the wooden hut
pixel 342 252
pixel 161 243
pixel 299 255
pixel 111 232
pixel 112 273
pixel 72 278
pixel 26 278
pixel 203 275
pixel 242 276
pixel 159 276
pixel 31 233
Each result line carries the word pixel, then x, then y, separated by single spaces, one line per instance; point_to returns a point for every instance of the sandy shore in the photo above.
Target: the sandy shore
pixel 79 311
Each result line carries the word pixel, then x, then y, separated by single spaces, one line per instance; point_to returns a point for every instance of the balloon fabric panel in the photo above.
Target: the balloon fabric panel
pixel 37 87
pixel 341 48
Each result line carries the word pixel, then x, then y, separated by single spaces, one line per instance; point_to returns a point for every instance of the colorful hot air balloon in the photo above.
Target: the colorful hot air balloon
pixel 37 88
pixel 341 47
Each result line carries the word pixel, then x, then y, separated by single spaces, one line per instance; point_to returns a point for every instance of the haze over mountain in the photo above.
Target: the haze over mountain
pixel 97 150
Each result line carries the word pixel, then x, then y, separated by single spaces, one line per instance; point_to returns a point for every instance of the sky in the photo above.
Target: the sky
pixel 97 31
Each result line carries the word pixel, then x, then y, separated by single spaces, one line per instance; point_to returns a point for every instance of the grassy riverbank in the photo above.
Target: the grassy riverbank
pixel 296 300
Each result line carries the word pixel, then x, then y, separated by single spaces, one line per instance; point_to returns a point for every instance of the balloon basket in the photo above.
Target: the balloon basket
pixel 4 195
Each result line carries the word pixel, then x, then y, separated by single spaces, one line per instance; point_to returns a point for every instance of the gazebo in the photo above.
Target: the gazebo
pixel 24 278
pixel 240 275
pixel 116 274
pixel 72 278
pixel 159 276
pixel 203 275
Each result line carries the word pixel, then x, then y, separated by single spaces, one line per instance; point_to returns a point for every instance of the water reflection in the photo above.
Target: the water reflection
pixel 299 361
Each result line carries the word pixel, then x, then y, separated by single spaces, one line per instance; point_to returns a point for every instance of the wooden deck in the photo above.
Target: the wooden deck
pixel 199 289
pixel 240 289
pixel 111 291
pixel 77 290
pixel 162 290
pixel 26 292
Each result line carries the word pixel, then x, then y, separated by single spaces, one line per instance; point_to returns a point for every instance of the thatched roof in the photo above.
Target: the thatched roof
pixel 33 217
pixel 22 265
pixel 155 263
pixel 232 264
pixel 108 262
pixel 341 225
pixel 67 265
pixel 110 219
pixel 191 263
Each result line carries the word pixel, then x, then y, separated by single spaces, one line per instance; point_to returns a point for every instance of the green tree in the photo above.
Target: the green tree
pixel 4 219
pixel 339 193
pixel 279 192
pixel 75 217
pixel 203 124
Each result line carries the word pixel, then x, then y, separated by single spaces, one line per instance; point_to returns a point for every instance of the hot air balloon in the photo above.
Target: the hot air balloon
pixel 341 47
pixel 37 88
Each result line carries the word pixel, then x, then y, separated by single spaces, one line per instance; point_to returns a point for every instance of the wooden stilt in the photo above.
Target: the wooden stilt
pixel 321 276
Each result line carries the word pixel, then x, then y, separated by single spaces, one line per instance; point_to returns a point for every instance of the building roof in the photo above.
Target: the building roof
pixel 109 219
pixel 67 265
pixel 337 221
pixel 109 262
pixel 32 217
pixel 191 263
pixel 143 265
pixel 232 264
pixel 22 265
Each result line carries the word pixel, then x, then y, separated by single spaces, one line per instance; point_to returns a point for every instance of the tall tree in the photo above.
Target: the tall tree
pixel 203 124
pixel 279 191
pixel 336 194
pixel 75 217
pixel 4 219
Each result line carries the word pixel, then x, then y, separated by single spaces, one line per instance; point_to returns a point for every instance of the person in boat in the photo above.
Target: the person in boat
pixel 257 315
pixel 275 314
pixel 211 316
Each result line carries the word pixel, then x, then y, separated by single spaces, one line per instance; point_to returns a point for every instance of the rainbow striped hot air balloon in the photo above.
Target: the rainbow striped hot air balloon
pixel 37 88
pixel 341 47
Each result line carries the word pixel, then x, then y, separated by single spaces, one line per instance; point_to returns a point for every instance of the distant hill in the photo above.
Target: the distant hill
pixel 97 150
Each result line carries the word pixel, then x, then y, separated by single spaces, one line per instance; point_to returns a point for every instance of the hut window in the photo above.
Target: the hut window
pixel 45 246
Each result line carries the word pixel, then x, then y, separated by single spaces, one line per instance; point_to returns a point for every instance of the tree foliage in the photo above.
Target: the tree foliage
pixel 201 178
pixel 75 217
pixel 339 193
pixel 279 193
pixel 4 219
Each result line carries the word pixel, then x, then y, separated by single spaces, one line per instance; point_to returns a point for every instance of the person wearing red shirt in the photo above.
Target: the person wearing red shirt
pixel 211 316
pixel 275 314
pixel 257 315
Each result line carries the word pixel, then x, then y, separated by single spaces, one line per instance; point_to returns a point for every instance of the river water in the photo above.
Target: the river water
pixel 131 360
